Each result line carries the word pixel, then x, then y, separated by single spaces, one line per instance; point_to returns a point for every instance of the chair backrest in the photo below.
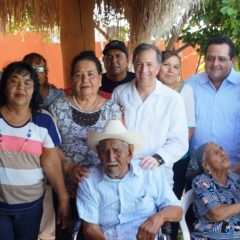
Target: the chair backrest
pixel 186 201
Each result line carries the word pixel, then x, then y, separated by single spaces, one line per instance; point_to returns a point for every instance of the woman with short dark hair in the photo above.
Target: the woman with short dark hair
pixel 28 150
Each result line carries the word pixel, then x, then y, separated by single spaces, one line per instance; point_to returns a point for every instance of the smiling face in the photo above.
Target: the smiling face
pixel 169 71
pixel 19 89
pixel 115 156
pixel 146 67
pixel 216 159
pixel 86 79
pixel 218 63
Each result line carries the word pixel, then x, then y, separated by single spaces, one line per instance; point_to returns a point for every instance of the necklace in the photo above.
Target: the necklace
pixel 85 109
pixel 28 135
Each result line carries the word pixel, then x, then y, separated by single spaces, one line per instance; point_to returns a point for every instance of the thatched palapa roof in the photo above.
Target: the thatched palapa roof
pixel 151 18
pixel 147 18
pixel 43 14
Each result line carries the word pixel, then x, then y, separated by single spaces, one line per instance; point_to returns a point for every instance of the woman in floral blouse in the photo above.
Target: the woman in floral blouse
pixel 216 194
pixel 84 110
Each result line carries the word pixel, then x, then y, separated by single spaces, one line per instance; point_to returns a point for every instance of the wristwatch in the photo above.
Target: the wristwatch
pixel 159 159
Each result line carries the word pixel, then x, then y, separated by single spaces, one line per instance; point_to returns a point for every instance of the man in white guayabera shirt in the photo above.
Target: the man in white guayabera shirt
pixel 154 110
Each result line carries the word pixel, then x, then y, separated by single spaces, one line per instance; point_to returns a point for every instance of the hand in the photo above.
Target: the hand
pixel 150 228
pixel 77 173
pixel 148 162
pixel 64 214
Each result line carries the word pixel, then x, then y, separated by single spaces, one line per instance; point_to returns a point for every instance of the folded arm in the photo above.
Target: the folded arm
pixel 223 211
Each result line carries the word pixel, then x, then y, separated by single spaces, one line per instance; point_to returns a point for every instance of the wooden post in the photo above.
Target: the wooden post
pixel 76 31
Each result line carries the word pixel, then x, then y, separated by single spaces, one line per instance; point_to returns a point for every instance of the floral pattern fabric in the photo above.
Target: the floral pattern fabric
pixel 74 136
pixel 209 194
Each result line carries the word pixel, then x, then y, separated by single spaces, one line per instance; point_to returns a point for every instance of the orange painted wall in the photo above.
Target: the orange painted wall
pixel 14 47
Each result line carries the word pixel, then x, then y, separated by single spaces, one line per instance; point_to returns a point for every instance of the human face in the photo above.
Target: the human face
pixel 217 62
pixel 86 79
pixel 41 69
pixel 146 67
pixel 116 63
pixel 115 156
pixel 169 71
pixel 216 159
pixel 19 89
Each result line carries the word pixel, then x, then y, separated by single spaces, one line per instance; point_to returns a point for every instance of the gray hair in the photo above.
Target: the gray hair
pixel 195 165
pixel 144 47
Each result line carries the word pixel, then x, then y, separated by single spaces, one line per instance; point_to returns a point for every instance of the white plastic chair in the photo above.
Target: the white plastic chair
pixel 186 201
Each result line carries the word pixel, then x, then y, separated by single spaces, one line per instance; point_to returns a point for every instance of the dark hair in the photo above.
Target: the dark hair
pixel 36 58
pixel 168 53
pixel 20 68
pixel 86 55
pixel 222 40
pixel 144 47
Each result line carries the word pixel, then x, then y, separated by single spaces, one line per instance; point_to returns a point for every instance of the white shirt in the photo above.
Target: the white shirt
pixel 186 93
pixel 160 118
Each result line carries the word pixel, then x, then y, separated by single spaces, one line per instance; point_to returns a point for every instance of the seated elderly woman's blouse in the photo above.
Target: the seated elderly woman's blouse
pixel 209 194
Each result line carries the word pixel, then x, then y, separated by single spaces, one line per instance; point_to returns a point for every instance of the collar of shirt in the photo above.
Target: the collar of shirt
pixel 233 77
pixel 231 178
pixel 159 89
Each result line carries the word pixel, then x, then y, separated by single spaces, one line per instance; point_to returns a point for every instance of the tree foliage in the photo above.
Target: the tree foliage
pixel 217 17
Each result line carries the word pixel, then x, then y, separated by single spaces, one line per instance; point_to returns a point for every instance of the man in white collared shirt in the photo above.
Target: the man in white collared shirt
pixel 154 110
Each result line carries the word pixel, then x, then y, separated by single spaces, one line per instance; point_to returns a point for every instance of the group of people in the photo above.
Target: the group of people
pixel 115 151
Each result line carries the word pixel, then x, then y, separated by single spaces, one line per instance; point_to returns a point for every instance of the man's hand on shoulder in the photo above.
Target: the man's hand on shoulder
pixel 148 162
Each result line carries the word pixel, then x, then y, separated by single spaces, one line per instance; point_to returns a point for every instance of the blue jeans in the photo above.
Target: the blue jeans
pixel 21 224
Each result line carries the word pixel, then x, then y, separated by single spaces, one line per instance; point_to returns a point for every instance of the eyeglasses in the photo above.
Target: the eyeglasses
pixel 39 69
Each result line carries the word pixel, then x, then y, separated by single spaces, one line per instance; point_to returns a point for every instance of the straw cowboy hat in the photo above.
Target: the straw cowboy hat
pixel 114 129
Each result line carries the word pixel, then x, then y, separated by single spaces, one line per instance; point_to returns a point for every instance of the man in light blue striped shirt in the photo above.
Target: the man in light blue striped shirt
pixel 119 194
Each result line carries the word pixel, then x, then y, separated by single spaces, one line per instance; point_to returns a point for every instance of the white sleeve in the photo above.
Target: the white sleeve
pixel 188 99
pixel 115 95
pixel 176 144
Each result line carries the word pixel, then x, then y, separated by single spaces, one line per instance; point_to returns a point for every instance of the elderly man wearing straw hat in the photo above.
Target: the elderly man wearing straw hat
pixel 119 194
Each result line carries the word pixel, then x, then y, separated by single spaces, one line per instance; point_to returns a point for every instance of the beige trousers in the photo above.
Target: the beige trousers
pixel 47 227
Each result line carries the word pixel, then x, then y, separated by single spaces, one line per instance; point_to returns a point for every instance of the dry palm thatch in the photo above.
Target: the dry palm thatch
pixel 147 18
pixel 150 18
pixel 43 14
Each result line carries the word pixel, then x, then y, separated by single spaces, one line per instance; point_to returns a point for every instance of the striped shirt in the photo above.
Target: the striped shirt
pixel 21 175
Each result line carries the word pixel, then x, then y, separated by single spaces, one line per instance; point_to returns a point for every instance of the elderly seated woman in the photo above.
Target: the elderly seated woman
pixel 216 194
